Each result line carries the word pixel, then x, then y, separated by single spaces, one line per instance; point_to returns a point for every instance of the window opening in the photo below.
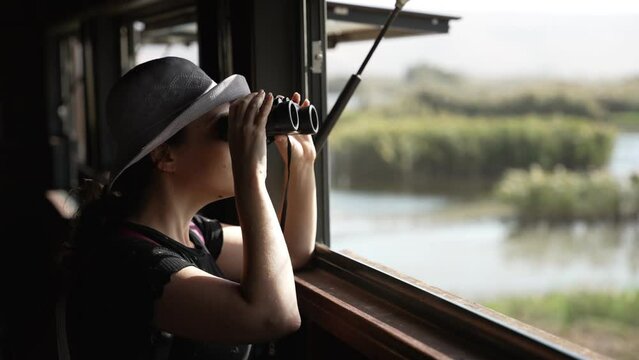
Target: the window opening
pixel 517 192
pixel 149 38
pixel 72 108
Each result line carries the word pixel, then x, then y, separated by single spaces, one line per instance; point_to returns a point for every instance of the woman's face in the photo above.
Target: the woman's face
pixel 203 160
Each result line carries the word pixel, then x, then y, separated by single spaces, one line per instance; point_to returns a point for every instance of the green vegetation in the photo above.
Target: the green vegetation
pixel 566 309
pixel 522 102
pixel 626 120
pixel 426 88
pixel 440 130
pixel 545 140
pixel 604 322
pixel 435 126
pixel 561 195
pixel 368 145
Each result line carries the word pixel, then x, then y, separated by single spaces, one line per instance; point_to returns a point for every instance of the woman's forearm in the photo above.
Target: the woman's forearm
pixel 301 213
pixel 267 276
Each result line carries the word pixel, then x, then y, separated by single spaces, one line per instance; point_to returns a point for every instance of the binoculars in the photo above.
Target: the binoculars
pixel 286 117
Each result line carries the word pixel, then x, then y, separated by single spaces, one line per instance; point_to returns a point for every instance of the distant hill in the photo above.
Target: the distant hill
pixel 429 88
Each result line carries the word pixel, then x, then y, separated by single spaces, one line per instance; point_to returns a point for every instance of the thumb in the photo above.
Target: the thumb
pixel 281 144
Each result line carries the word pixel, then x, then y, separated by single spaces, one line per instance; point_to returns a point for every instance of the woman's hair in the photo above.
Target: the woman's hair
pixel 102 209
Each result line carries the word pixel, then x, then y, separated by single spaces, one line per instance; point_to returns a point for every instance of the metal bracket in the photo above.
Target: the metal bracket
pixel 318 57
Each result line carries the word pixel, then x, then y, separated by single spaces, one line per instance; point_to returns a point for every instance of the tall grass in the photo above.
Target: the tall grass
pixel 561 196
pixel 567 309
pixel 604 322
pixel 371 145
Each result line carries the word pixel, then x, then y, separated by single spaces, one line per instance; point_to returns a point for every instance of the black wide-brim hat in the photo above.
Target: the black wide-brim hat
pixel 155 100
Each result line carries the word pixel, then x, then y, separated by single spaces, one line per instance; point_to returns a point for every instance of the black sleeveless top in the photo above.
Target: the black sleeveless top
pixel 110 307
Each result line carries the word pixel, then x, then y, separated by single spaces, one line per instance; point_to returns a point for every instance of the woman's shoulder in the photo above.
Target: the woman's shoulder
pixel 130 262
pixel 139 247
pixel 132 239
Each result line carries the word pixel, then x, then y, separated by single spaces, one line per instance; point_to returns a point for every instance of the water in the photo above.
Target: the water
pixel 481 256
pixel 625 155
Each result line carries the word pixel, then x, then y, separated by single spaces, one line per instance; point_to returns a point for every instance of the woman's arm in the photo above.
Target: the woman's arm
pixel 301 213
pixel 264 304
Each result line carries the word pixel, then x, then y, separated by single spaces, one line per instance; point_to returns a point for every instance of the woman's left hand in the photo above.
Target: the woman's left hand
pixel 302 147
pixel 299 183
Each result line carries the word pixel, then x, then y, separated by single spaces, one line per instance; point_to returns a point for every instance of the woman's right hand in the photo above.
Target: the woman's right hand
pixel 247 135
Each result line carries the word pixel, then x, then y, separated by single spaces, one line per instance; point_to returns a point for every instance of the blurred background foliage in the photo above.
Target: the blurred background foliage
pixel 540 145
pixel 535 158
pixel 561 196
pixel 429 89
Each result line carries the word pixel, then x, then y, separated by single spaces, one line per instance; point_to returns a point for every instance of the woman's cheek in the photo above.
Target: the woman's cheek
pixel 223 171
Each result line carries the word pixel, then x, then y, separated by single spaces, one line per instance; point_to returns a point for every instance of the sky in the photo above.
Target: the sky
pixel 566 39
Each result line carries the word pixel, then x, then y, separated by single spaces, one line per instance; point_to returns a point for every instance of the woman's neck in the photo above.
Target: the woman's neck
pixel 165 212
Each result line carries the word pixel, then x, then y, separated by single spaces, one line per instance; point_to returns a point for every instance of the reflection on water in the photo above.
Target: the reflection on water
pixel 484 257
pixel 598 245
pixel 624 158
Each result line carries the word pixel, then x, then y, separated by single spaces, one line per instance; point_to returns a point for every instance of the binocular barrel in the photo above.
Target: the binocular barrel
pixel 286 117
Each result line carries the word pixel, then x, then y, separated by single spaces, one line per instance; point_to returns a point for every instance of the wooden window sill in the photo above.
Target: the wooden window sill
pixel 381 315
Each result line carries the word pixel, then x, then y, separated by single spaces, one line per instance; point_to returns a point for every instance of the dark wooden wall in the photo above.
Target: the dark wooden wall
pixel 29 224
pixel 32 228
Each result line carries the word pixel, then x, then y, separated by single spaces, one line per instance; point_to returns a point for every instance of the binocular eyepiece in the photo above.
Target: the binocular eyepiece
pixel 286 117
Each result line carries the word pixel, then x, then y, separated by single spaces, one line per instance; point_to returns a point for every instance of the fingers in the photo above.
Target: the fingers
pixel 305 144
pixel 296 99
pixel 281 144
pixel 257 106
pixel 302 138
pixel 238 108
pixel 254 106
pixel 265 110
pixel 302 147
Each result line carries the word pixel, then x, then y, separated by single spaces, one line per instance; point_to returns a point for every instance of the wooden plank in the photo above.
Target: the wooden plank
pixel 382 313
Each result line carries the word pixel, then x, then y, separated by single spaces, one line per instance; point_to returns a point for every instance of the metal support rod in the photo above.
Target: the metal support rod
pixel 390 19
pixel 346 94
pixel 327 126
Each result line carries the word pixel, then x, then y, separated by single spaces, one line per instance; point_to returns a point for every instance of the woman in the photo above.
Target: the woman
pixel 153 278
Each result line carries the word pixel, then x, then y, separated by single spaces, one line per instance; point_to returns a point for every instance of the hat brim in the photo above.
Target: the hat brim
pixel 229 89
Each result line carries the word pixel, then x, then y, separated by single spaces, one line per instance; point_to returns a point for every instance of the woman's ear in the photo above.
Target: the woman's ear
pixel 163 158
